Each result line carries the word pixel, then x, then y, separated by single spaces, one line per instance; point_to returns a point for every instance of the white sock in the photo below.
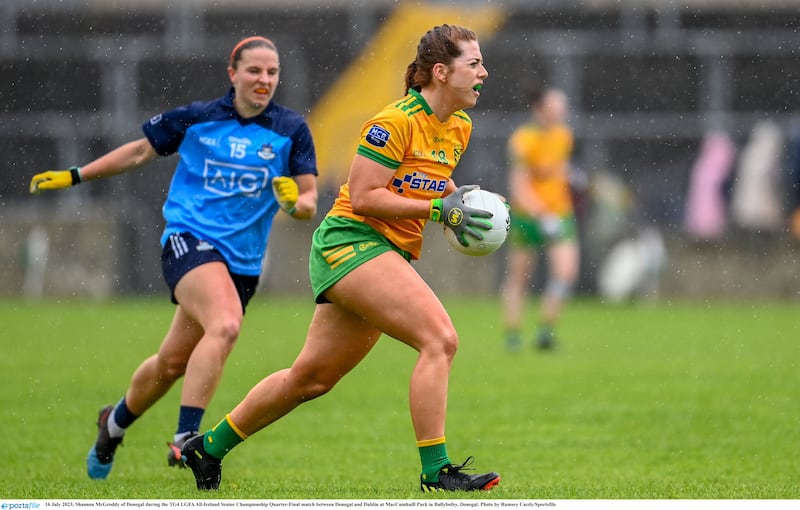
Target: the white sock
pixel 180 437
pixel 114 430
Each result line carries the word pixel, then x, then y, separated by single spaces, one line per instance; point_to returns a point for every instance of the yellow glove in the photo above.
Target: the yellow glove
pixel 55 179
pixel 286 192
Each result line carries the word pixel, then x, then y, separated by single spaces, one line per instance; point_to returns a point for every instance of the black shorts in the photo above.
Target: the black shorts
pixel 184 252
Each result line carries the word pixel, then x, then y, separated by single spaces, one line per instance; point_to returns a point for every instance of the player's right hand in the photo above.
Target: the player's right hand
pixel 286 193
pixel 460 218
pixel 55 179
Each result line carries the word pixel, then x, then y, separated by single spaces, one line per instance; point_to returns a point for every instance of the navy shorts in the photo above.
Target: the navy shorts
pixel 184 252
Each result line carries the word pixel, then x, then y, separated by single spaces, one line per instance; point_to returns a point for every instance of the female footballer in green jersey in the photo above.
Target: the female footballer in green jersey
pixel 359 265
pixel 544 218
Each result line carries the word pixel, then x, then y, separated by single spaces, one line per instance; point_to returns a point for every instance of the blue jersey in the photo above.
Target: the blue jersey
pixel 221 191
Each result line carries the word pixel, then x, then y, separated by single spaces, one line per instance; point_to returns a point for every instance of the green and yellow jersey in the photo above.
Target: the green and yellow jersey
pixel 423 152
pixel 545 153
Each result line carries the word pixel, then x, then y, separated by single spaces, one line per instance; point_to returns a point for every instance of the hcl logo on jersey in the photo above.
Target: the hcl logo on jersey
pixel 227 180
pixel 418 181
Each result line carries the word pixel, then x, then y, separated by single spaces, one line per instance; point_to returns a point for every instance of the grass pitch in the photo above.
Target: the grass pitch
pixel 689 400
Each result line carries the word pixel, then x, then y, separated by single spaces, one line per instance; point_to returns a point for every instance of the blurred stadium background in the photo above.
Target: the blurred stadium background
pixel 649 81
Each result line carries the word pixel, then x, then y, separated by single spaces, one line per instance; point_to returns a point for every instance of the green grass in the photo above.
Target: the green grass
pixel 687 400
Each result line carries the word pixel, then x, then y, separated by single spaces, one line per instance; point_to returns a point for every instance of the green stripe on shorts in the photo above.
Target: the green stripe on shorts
pixel 340 245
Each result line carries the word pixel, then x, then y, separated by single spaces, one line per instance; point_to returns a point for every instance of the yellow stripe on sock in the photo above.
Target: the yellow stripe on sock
pixel 431 442
pixel 235 428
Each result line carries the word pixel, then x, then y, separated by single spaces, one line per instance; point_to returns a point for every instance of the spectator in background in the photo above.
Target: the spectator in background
pixel 542 216
pixel 757 202
pixel 706 207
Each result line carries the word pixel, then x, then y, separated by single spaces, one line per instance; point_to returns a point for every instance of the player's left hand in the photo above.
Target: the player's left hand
pixel 286 193
pixel 55 179
pixel 462 219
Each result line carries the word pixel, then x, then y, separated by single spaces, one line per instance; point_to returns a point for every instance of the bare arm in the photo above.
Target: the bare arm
pixel 370 197
pixel 125 157
pixel 306 205
pixel 521 195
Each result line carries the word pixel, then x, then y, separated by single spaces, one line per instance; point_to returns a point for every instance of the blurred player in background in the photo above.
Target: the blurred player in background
pixel 219 212
pixel 542 216
pixel 363 282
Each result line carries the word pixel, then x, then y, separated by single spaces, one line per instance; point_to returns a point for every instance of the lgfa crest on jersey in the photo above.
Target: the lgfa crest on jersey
pixel 266 153
pixel 377 136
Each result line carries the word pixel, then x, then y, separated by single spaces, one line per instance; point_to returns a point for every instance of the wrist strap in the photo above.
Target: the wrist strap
pixel 436 210
pixel 75 172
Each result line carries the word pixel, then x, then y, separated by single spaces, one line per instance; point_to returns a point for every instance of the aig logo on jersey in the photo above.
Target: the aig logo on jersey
pixel 228 180
pixel 377 136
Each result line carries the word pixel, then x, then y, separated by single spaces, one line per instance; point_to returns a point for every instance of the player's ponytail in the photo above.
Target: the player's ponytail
pixel 411 75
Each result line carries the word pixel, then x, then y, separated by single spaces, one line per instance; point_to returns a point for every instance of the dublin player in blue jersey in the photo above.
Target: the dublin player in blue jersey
pixel 242 157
